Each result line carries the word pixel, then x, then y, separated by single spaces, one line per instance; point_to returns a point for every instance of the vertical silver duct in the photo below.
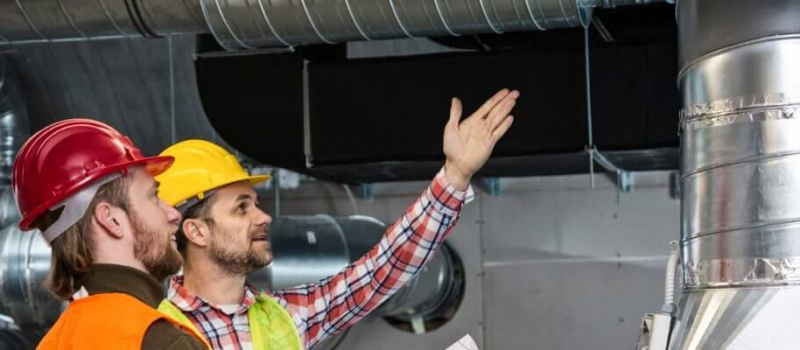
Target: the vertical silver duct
pixel 309 248
pixel 740 161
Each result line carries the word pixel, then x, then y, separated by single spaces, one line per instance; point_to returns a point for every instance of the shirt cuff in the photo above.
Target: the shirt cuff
pixel 447 196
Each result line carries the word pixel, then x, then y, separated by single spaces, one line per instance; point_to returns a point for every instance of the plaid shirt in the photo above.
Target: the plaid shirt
pixel 322 309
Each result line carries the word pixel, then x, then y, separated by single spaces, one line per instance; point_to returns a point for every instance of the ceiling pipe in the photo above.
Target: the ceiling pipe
pixel 740 163
pixel 67 20
pixel 253 24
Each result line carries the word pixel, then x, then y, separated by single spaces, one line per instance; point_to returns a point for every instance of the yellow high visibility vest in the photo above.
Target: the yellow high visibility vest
pixel 271 326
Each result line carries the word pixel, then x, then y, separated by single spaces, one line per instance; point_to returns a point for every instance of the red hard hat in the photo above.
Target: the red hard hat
pixel 67 156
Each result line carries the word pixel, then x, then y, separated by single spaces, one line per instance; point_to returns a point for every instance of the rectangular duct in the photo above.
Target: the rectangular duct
pixel 382 119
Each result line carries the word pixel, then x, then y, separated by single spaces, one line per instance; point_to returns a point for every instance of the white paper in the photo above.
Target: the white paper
pixel 465 343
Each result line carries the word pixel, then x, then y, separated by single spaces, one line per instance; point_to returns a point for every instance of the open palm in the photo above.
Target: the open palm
pixel 468 144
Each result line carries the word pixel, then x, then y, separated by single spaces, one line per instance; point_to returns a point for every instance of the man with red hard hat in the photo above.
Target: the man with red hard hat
pixel 91 193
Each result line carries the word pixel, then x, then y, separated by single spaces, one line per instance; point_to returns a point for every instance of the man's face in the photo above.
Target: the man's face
pixel 238 239
pixel 154 224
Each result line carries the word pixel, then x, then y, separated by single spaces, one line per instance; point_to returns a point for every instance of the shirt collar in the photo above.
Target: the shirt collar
pixel 187 301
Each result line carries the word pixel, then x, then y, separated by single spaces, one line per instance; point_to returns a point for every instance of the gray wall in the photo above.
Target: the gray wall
pixel 551 263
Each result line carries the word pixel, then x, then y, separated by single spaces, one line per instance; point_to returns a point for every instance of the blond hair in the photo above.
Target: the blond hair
pixel 72 251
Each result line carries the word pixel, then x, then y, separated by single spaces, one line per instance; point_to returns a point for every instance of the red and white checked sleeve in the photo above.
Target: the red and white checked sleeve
pixel 331 305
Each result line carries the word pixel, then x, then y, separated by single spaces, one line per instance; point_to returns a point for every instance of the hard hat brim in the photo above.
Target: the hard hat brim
pixel 257 179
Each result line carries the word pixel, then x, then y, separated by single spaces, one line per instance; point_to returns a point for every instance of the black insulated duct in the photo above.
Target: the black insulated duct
pixel 373 120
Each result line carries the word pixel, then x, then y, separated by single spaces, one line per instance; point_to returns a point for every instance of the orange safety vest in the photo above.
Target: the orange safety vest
pixel 105 321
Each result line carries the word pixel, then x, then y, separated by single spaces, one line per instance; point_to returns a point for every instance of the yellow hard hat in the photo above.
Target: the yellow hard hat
pixel 200 166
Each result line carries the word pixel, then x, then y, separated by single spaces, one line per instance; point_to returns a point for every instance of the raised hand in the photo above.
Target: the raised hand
pixel 468 144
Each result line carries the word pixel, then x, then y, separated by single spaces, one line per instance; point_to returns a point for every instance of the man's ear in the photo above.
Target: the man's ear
pixel 196 231
pixel 110 218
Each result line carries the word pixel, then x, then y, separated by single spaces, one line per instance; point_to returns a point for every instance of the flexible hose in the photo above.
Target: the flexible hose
pixel 669 288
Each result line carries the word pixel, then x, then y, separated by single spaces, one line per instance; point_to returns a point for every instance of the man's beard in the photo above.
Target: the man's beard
pixel 237 263
pixel 156 254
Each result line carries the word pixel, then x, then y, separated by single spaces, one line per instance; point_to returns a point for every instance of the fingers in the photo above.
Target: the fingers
pixel 491 103
pixel 498 133
pixel 455 113
pixel 501 111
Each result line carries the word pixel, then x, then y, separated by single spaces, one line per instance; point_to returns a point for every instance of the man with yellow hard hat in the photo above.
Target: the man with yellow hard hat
pixel 224 235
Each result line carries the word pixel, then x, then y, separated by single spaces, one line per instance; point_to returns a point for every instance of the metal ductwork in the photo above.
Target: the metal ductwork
pixel 306 249
pixel 14 124
pixel 67 20
pixel 259 23
pixel 740 161
pixel 24 266
pixel 9 215
pixel 251 24
pixel 309 248
pixel 14 130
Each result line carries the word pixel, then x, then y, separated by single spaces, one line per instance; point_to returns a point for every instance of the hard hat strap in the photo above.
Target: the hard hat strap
pixel 75 207
pixel 185 205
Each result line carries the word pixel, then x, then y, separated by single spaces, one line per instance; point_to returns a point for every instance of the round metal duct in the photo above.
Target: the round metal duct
pixel 430 295
pixel 306 249
pixel 362 233
pixel 8 207
pixel 740 163
pixel 24 265
pixel 309 248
